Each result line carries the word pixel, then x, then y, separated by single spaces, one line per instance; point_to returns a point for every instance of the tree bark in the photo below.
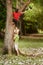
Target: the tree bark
pixel 9 27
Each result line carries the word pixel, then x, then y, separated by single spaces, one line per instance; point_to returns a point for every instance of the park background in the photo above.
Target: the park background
pixel 31 41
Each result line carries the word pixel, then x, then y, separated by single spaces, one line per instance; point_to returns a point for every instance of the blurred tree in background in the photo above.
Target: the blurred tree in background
pixel 33 17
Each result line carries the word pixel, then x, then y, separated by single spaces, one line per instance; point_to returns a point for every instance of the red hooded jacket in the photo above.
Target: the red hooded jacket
pixel 16 15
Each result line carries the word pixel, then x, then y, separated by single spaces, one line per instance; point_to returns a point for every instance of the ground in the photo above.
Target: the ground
pixel 20 60
pixel 29 46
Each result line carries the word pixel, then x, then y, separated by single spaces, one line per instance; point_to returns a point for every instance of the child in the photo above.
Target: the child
pixel 16 39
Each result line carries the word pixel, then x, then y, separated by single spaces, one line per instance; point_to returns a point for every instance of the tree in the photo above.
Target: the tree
pixel 9 31
pixel 34 16
pixel 9 27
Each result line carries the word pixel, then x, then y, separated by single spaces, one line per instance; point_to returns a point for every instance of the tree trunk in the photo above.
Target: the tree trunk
pixel 9 28
pixel 9 31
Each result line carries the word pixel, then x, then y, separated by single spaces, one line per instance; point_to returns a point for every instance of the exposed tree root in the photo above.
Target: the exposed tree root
pixel 24 54
pixel 19 52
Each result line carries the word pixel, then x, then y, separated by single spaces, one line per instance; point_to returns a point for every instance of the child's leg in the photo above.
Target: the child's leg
pixel 16 48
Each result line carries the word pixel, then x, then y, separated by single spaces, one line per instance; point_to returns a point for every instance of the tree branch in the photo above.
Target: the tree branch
pixel 22 2
pixel 24 6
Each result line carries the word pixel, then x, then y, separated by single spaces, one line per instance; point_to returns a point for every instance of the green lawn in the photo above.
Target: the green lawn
pixel 34 43
pixel 19 60
pixel 1 43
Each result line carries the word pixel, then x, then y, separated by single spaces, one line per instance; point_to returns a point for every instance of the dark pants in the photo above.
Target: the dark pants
pixel 16 23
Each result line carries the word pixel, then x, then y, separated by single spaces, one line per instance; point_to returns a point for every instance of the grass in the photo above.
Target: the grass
pixel 26 43
pixel 17 60
pixel 34 43
pixel 1 43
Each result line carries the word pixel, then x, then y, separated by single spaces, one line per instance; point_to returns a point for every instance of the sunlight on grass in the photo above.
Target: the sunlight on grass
pixel 30 43
pixel 26 43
